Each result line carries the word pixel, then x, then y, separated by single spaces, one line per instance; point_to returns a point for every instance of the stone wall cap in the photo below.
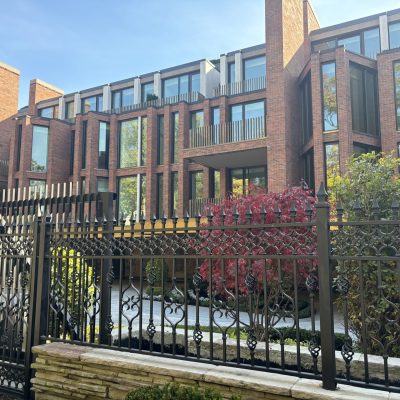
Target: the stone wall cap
pixel 9 68
pixel 47 85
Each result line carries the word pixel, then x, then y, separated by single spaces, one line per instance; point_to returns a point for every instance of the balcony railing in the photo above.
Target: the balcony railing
pixel 229 132
pixel 249 85
pixel 198 206
pixel 191 97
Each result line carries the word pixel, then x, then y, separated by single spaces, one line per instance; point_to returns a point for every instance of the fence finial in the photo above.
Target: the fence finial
pixel 322 195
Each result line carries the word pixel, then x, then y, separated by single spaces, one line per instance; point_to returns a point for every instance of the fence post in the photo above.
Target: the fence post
pixel 325 292
pixel 106 211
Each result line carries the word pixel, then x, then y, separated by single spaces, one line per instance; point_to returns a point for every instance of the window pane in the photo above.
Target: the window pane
pixel 102 184
pixel 19 142
pixel 174 192
pixel 195 83
pixel 215 116
pixel 160 140
pixel 183 84
pixel 147 91
pixel 231 72
pixel 237 113
pixel 143 140
pixel 37 187
pixel 197 120
pixel 116 99
pixel 128 144
pixel 329 96
pixel 331 44
pixel 127 195
pixel 99 103
pixel 47 112
pixel 394 35
pixel 306 109
pixel 84 139
pixel 196 185
pixel 332 167
pixel 257 177
pixel 40 135
pixel 171 87
pixel 217 184
pixel 397 90
pixel 69 110
pixel 127 97
pixel 372 45
pixel 174 138
pixel 104 140
pixel 88 104
pixel 308 169
pixel 160 198
pixel 142 195
pixel 371 102
pixel 254 68
pixel 357 99
pixel 254 110
pixel 237 181
pixel 352 43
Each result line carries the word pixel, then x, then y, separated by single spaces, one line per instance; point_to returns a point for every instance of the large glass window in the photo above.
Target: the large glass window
pixel 181 84
pixel 102 184
pixel 174 192
pixel 69 110
pixel 174 137
pixel 122 98
pixel 215 183
pixel 132 196
pixel 19 143
pixel 160 140
pixel 143 140
pixel 147 92
pixel 394 35
pixel 332 165
pixel 104 144
pixel 197 119
pixel 160 198
pixel 329 100
pixel 306 109
pixel 128 143
pixel 372 43
pixel 254 68
pixel 196 185
pixel 352 43
pixel 243 180
pixel 40 137
pixel 308 169
pixel 361 148
pixel 72 153
pixel 364 99
pixel 231 72
pixel 37 187
pixel 49 112
pixel 248 120
pixel 397 92
pixel 93 103
pixel 84 145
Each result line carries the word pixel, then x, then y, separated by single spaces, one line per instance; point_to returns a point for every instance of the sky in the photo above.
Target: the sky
pixel 78 44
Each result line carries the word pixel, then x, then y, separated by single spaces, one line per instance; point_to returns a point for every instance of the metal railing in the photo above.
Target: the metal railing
pixel 191 97
pixel 229 132
pixel 226 289
pixel 200 206
pixel 249 85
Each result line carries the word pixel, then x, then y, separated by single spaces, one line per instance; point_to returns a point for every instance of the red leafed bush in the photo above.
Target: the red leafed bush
pixel 291 205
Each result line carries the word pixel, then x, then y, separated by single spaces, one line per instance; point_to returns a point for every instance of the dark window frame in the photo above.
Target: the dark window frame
pixel 245 176
pixel 252 58
pixel 97 96
pixel 160 139
pixel 189 75
pixel 72 153
pixel 306 88
pixel 396 103
pixel 392 23
pixel 173 145
pixel 19 144
pixel 84 144
pixel 322 98
pixel 191 175
pixel 113 106
pixel 325 164
pixel 107 151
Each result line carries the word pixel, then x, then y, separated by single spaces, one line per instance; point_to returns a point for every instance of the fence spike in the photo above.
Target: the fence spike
pixel 186 217
pixel 375 208
pixel 277 212
pixel 322 194
pixel 395 208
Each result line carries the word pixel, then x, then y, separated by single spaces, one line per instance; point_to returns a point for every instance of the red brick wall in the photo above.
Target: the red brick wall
pixel 39 91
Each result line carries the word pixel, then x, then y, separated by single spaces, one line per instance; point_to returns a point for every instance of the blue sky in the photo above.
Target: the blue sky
pixel 77 44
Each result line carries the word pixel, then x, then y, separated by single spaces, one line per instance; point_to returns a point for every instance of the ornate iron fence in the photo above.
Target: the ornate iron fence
pixel 227 289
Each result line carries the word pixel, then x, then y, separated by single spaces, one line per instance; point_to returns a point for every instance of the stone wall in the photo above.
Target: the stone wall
pixel 65 371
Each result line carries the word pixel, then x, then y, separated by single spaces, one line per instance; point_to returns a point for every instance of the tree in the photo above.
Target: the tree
pixel 242 279
pixel 370 296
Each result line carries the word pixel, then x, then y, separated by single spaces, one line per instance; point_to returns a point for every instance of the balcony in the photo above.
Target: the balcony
pixel 229 132
pixel 198 206
pixel 191 97
pixel 250 85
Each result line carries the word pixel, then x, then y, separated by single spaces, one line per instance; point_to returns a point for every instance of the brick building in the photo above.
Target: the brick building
pixel 297 106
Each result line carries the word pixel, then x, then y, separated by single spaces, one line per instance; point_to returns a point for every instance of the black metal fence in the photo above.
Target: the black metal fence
pixel 309 296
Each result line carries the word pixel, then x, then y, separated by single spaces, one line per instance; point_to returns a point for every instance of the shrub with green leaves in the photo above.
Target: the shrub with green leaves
pixel 175 392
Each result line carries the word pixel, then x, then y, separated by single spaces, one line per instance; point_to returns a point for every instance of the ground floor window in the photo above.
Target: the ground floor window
pixel 37 187
pixel 243 180
pixel 132 196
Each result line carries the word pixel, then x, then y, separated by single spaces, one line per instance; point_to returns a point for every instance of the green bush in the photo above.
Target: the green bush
pixel 174 392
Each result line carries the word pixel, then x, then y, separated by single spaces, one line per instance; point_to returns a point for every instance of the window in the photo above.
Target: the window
pixel 174 192
pixel 372 43
pixel 40 136
pixel 160 198
pixel 308 169
pixel 49 112
pixel 215 183
pixel 352 43
pixel 397 92
pixel 93 103
pixel 160 140
pixel 72 153
pixel 83 186
pixel 104 144
pixel 197 119
pixel 19 143
pixel 69 110
pixel 254 68
pixel 84 141
pixel 248 121
pixel 242 180
pixel 215 116
pixel 231 72
pixel 216 128
pixel 196 185
pixel 329 101
pixel 174 137
pixel 143 140
pixel 394 35
pixel 306 109
pixel 360 148
pixel 179 85
pixel 364 99
pixel 37 187
pixel 132 196
pixel 102 184
pixel 332 165
pixel 122 98
pixel 147 92
pixel 322 46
